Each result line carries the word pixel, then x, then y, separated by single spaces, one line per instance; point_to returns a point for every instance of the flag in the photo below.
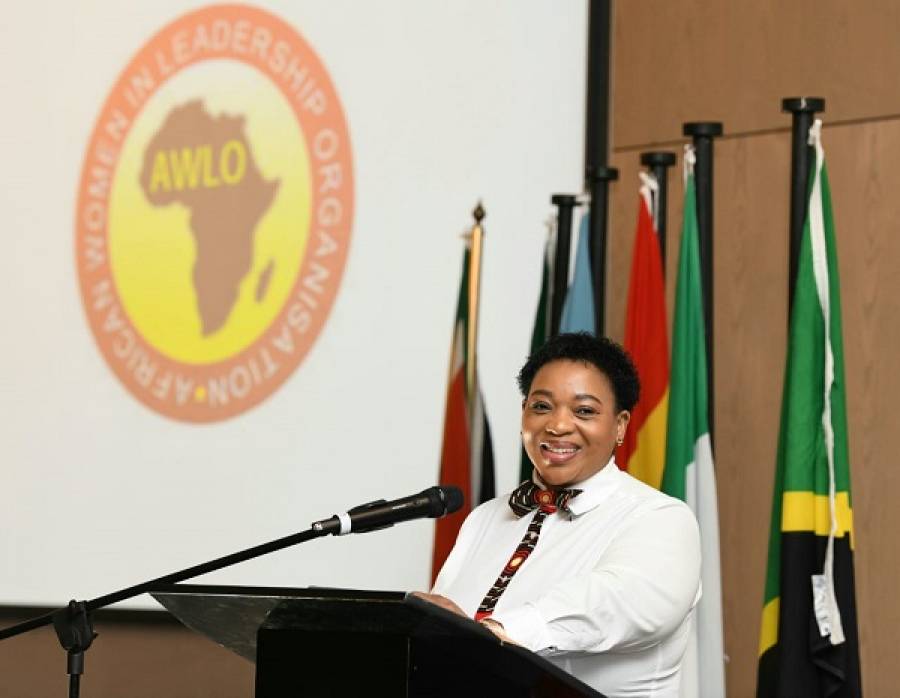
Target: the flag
pixel 578 309
pixel 540 333
pixel 467 459
pixel 808 639
pixel 643 453
pixel 688 472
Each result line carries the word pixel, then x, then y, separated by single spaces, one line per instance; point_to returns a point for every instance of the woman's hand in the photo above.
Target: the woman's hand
pixel 497 628
pixel 441 601
pixel 445 603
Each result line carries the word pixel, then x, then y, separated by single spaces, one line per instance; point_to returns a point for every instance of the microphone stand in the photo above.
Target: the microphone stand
pixel 75 629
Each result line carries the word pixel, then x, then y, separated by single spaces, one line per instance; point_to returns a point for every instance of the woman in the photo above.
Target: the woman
pixel 585 564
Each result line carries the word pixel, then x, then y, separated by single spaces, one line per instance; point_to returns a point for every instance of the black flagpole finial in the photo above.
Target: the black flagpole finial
pixel 478 214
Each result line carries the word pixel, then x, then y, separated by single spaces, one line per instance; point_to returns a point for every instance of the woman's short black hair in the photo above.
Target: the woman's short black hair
pixel 609 358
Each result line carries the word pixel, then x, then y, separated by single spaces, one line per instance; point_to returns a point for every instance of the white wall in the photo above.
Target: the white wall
pixel 446 103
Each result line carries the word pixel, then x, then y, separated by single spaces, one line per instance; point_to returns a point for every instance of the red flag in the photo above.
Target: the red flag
pixel 467 451
pixel 455 450
pixel 644 452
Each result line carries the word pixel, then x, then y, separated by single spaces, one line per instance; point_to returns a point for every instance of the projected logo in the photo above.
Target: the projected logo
pixel 214 213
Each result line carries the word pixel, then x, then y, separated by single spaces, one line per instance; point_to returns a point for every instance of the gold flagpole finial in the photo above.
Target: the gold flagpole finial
pixel 475 242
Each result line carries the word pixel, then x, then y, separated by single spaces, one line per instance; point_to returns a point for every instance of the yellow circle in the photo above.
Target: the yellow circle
pixel 200 276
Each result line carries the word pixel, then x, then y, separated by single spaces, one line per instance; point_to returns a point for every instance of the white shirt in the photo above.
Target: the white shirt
pixel 607 594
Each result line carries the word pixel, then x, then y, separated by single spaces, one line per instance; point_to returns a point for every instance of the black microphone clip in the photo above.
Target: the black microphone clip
pixel 368 506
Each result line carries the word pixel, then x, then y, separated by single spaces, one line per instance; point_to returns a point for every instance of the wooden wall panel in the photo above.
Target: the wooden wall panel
pixel 752 176
pixel 751 213
pixel 136 659
pixel 750 270
pixel 734 61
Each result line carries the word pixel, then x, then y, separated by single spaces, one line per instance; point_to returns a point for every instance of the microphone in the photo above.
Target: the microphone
pixel 432 503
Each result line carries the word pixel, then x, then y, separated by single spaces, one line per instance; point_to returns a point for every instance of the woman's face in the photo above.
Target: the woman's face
pixel 569 422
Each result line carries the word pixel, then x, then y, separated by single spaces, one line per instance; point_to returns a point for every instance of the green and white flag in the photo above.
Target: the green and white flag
pixel 808 645
pixel 689 473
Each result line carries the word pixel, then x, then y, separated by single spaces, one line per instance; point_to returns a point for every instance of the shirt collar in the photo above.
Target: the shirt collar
pixel 593 490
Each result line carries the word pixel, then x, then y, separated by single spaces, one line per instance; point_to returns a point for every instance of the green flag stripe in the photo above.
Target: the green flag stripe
pixel 688 404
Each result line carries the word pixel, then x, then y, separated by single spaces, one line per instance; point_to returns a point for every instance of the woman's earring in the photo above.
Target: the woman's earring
pixel 620 440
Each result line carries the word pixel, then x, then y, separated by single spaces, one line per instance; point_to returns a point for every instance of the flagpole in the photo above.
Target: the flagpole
pixel 598 179
pixel 597 173
pixel 596 132
pixel 565 204
pixel 803 111
pixel 659 162
pixel 476 239
pixel 703 133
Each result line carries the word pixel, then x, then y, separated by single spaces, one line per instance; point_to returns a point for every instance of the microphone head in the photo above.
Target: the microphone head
pixel 453 499
pixel 442 500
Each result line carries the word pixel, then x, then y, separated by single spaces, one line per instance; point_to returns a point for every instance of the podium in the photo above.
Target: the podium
pixel 338 643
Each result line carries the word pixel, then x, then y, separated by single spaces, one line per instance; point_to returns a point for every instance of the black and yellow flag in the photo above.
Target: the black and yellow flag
pixel 808 641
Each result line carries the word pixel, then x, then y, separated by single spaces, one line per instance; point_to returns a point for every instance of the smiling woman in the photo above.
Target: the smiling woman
pixel 583 564
pixel 579 392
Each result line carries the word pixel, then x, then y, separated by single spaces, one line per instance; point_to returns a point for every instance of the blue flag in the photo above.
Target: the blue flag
pixel 578 311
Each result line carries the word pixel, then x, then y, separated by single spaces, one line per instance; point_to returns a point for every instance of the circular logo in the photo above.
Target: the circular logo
pixel 214 213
